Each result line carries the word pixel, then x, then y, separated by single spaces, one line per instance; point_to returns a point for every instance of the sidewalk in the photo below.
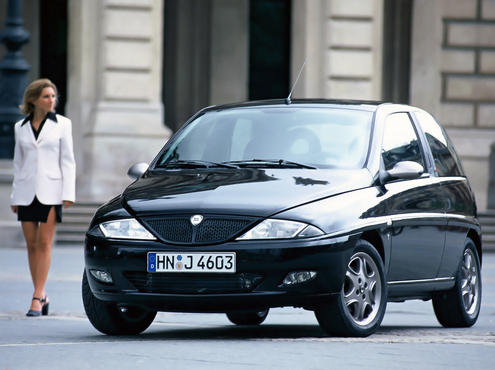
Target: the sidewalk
pixel 63 286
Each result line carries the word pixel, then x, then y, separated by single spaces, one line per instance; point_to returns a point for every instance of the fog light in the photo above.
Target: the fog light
pixel 298 277
pixel 102 276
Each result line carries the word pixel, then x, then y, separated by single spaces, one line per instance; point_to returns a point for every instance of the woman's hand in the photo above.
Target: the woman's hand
pixel 67 203
pixel 14 209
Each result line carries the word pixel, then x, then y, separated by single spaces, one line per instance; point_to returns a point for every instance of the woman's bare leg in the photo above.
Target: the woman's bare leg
pixel 39 238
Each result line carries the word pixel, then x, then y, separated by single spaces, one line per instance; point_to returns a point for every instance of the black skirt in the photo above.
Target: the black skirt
pixel 38 212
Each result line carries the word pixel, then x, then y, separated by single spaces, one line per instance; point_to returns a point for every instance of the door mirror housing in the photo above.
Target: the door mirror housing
pixel 136 171
pixel 406 170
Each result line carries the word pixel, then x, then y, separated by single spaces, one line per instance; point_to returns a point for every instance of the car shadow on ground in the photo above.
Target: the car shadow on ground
pixel 266 331
pixel 261 332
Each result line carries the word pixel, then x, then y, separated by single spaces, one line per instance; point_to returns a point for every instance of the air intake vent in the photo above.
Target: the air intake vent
pixel 210 230
pixel 218 230
pixel 194 283
pixel 178 231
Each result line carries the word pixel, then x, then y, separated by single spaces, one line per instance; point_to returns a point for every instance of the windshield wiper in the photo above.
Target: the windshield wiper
pixel 282 163
pixel 195 164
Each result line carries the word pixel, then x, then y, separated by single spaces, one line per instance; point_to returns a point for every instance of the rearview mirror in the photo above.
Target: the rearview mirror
pixel 136 171
pixel 406 170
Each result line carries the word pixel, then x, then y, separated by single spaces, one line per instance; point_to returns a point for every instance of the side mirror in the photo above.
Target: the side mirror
pixel 406 170
pixel 136 171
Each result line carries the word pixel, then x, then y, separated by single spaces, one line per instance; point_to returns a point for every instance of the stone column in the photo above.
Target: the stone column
pixel 342 41
pixel 308 44
pixel 114 90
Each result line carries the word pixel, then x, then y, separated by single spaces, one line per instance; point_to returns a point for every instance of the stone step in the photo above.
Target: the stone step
pixel 488 229
pixel 70 239
pixel 487 221
pixel 72 228
pixel 82 209
pixel 488 237
pixel 76 219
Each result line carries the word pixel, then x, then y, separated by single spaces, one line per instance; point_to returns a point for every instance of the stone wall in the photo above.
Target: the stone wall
pixel 453 77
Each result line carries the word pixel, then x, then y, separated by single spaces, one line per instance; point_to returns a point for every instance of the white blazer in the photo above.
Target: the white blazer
pixel 45 167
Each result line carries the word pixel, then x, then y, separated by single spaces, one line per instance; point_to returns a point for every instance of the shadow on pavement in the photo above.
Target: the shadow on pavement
pixel 262 332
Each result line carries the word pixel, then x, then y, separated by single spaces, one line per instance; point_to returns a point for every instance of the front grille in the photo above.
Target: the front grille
pixel 179 231
pixel 218 230
pixel 211 230
pixel 194 283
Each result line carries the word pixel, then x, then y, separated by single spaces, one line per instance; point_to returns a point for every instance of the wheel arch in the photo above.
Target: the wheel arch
pixel 476 238
pixel 373 237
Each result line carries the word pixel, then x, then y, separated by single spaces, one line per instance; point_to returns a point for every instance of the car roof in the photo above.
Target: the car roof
pixel 368 105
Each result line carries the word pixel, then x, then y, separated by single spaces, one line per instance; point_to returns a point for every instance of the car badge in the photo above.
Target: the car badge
pixel 196 220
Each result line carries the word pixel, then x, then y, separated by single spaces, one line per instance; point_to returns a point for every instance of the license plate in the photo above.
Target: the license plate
pixel 191 262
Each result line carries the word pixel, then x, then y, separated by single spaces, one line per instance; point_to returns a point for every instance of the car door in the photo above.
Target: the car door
pixel 460 207
pixel 416 207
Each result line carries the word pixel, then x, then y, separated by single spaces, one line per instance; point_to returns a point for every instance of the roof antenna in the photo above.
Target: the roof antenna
pixel 287 101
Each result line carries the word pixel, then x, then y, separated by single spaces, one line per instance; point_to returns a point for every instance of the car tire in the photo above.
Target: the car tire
pixel 247 318
pixel 460 306
pixel 359 309
pixel 111 319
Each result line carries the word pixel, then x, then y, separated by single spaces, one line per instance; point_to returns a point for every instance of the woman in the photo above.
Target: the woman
pixel 44 180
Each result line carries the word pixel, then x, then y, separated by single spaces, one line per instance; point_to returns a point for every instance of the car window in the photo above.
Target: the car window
pixel 400 141
pixel 322 137
pixel 447 163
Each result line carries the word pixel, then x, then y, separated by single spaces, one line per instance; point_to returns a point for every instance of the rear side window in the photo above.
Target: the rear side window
pixel 447 162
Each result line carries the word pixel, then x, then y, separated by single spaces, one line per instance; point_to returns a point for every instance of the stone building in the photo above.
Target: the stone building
pixel 138 69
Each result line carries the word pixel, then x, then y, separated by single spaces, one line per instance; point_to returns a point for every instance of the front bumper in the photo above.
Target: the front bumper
pixel 256 285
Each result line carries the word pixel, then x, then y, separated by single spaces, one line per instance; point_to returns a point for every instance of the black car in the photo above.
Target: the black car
pixel 332 206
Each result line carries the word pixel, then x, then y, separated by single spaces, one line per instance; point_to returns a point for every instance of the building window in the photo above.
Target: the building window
pixel 269 49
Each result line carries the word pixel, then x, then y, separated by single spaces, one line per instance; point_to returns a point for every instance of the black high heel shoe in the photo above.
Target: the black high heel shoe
pixel 33 313
pixel 44 308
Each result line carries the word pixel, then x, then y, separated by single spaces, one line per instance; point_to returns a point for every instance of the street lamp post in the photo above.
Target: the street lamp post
pixel 13 76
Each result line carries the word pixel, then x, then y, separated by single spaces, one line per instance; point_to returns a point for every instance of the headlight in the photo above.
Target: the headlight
pixel 122 229
pixel 280 229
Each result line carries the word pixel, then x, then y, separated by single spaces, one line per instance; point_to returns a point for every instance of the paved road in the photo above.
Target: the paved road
pixel 410 336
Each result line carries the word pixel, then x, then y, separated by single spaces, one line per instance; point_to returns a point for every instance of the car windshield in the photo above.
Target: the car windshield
pixel 273 136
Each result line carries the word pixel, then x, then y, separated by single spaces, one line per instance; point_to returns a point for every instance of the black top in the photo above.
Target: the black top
pixel 36 133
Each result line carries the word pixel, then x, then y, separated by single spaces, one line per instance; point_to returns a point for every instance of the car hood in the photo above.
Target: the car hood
pixel 249 192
